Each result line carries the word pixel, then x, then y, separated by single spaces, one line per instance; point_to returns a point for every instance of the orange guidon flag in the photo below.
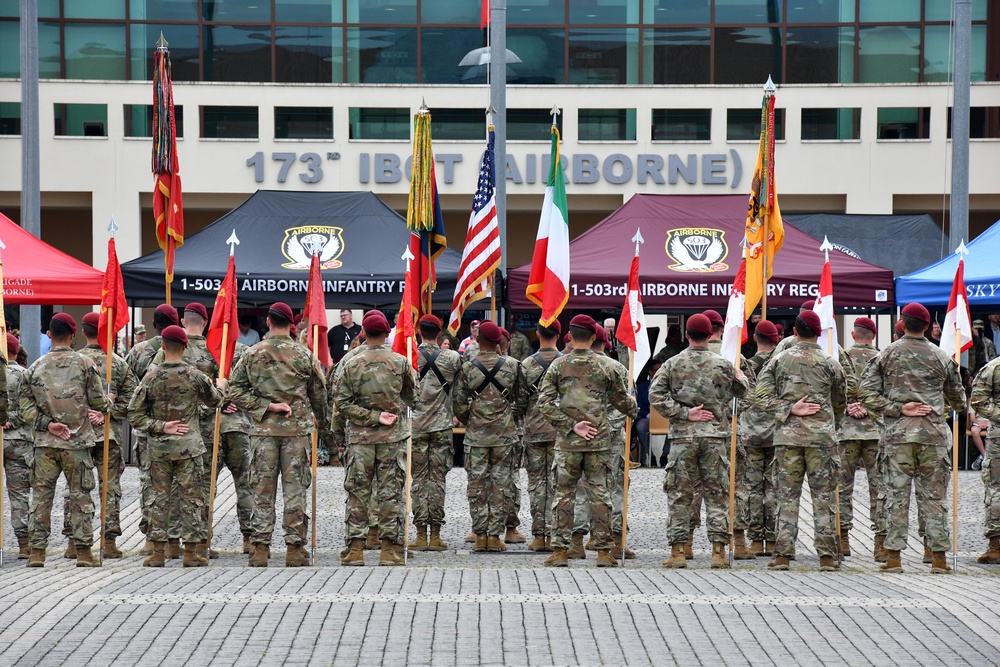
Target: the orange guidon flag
pixel 763 204
pixel 113 301
pixel 315 314
pixel 224 313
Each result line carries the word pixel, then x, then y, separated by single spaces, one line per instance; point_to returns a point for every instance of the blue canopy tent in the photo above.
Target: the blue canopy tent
pixel 931 285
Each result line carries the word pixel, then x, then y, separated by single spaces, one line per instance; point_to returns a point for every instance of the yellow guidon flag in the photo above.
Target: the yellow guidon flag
pixel 764 230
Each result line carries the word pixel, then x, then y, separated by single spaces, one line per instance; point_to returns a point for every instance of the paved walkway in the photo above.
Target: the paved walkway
pixel 459 608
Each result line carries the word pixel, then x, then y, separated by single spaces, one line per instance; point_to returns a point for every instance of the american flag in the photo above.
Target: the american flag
pixel 481 255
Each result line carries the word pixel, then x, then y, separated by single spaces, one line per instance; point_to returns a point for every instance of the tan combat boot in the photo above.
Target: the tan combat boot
pixel 494 543
pixel 616 548
pixel 191 556
pixel 471 537
pixel 247 545
pixel 261 554
pixel 514 536
pixel 879 551
pixel 111 550
pixel 892 562
pixel 435 543
pixel 147 548
pixel 70 553
pixel 537 544
pixel 928 556
pixel 828 564
pixel 296 556
pixel 719 561
pixel 420 542
pixel 605 559
pixel 558 558
pixel 590 544
pixel 173 550
pixel 355 553
pixel 576 550
pixel 157 558
pixel 23 550
pixel 689 546
pixel 481 542
pixel 990 557
pixel 36 558
pixel 845 542
pixel 84 558
pixel 779 563
pixel 388 556
pixel 372 542
pixel 939 564
pixel 548 543
pixel 741 552
pixel 677 560
pixel 757 548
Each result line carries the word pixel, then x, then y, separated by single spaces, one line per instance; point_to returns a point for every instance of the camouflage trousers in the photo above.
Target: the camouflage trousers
pixel 760 505
pixel 116 466
pixel 792 464
pixel 489 471
pixel 741 491
pixel 991 486
pixel 431 460
pixel 287 456
pixel 177 486
pixel 926 469
pixel 145 490
pixel 538 461
pixel 18 456
pixel 582 516
pixel 513 490
pixel 854 452
pixel 78 468
pixel 374 477
pixel 704 461
pixel 570 467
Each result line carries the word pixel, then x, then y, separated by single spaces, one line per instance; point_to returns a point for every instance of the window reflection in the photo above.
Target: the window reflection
pixel 747 55
pixel 95 51
pixel 184 51
pixel 604 56
pixel 381 55
pixel 308 54
pixel 237 53
pixel 677 55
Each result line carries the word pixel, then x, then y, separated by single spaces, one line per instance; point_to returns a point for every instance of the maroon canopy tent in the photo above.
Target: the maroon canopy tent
pixel 690 259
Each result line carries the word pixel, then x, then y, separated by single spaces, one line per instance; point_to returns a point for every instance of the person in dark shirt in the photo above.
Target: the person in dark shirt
pixel 340 336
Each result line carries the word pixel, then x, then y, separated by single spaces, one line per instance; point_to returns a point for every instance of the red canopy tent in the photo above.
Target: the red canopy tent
pixel 691 256
pixel 35 273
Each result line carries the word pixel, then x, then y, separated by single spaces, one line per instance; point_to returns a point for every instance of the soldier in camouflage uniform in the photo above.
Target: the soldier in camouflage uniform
pixel 373 392
pixel 280 386
pixel 520 346
pixel 55 396
pixel 432 435
pixel 908 384
pixel 488 408
pixel 139 358
pixel 860 436
pixel 805 391
pixel 513 491
pixel 18 450
pixel 693 390
pixel 166 406
pixel 982 351
pixel 985 401
pixel 234 453
pixel 540 439
pixel 575 397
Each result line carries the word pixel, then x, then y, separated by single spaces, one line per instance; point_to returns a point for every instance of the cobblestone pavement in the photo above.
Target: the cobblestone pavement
pixel 459 608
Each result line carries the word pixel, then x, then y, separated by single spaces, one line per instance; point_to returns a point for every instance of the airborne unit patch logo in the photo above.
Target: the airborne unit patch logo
pixel 301 243
pixel 697 249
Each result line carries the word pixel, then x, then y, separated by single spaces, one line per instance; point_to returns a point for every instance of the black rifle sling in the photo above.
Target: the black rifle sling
pixel 431 366
pixel 491 378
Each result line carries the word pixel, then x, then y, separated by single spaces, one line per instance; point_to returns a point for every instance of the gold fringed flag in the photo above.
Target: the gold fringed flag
pixel 423 214
pixel 168 207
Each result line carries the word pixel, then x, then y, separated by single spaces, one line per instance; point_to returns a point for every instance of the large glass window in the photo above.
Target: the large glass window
pixel 938 56
pixel 139 120
pixel 682 124
pixel 81 120
pixel 163 10
pixel 744 124
pixel 49 51
pixel 303 122
pixel 384 11
pixel 747 11
pixel 10 118
pixel 677 55
pixel 184 52
pixel 889 54
pixel 381 55
pixel 673 12
pixel 94 9
pixel 459 124
pixel 831 124
pixel 895 123
pixel 236 11
pixel 10 49
pixel 535 12
pixel 896 11
pixel 820 55
pixel 237 53
pixel 95 51
pixel 308 54
pixel 603 11
pixel 541 53
pixel 230 122
pixel 940 10
pixel 380 123
pixel 308 11
pixel 462 13
pixel 747 55
pixel 604 56
pixel 531 124
pixel 606 124
pixel 441 51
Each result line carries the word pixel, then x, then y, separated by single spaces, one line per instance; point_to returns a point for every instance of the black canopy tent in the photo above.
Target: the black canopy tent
pixel 359 238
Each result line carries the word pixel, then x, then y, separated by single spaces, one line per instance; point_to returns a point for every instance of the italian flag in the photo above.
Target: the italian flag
pixel 548 281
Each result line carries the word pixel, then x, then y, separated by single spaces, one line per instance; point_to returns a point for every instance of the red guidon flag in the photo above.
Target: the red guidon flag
pixel 224 313
pixel 315 313
pixel 957 323
pixel 404 329
pixel 735 332
pixel 113 301
pixel 824 308
pixel 632 328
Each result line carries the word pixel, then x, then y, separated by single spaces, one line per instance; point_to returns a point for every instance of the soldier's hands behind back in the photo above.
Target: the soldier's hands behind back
pixel 280 407
pixel 61 431
pixel 387 418
pixel 856 411
pixel 229 409
pixel 176 427
pixel 222 383
pixel 96 418
pixel 585 430
pixel 803 408
pixel 915 409
pixel 700 414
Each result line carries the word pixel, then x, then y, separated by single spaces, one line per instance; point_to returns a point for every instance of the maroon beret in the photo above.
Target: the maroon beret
pixel 781 328
pixel 567 338
pixel 168 311
pixel 714 317
pixel 13 345
pixel 66 319
pixel 584 322
pixel 808 305
pixel 373 311
pixel 92 319
pixel 899 327
pixel 767 329
pixel 281 309
pixel 811 320
pixel 490 331
pixel 917 312
pixel 431 320
pixel 505 334
pixel 198 309
pixel 867 323
pixel 474 323
pixel 375 324
pixel 699 323
pixel 555 326
pixel 297 319
pixel 176 334
pixel 601 335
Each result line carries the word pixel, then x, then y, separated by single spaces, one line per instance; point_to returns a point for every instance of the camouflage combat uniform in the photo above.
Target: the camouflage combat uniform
pixel 59 388
pixel 234 452
pixel 338 428
pixel 804 445
pixel 580 386
pixel 520 346
pixel 916 448
pixel 986 402
pixel 699 451
pixel 374 381
pixel 758 497
pixel 539 443
pixel 279 370
pixel 471 350
pixel 860 440
pixel 138 359
pixel 175 391
pixel 18 454
pixel 490 435
pixel 432 436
